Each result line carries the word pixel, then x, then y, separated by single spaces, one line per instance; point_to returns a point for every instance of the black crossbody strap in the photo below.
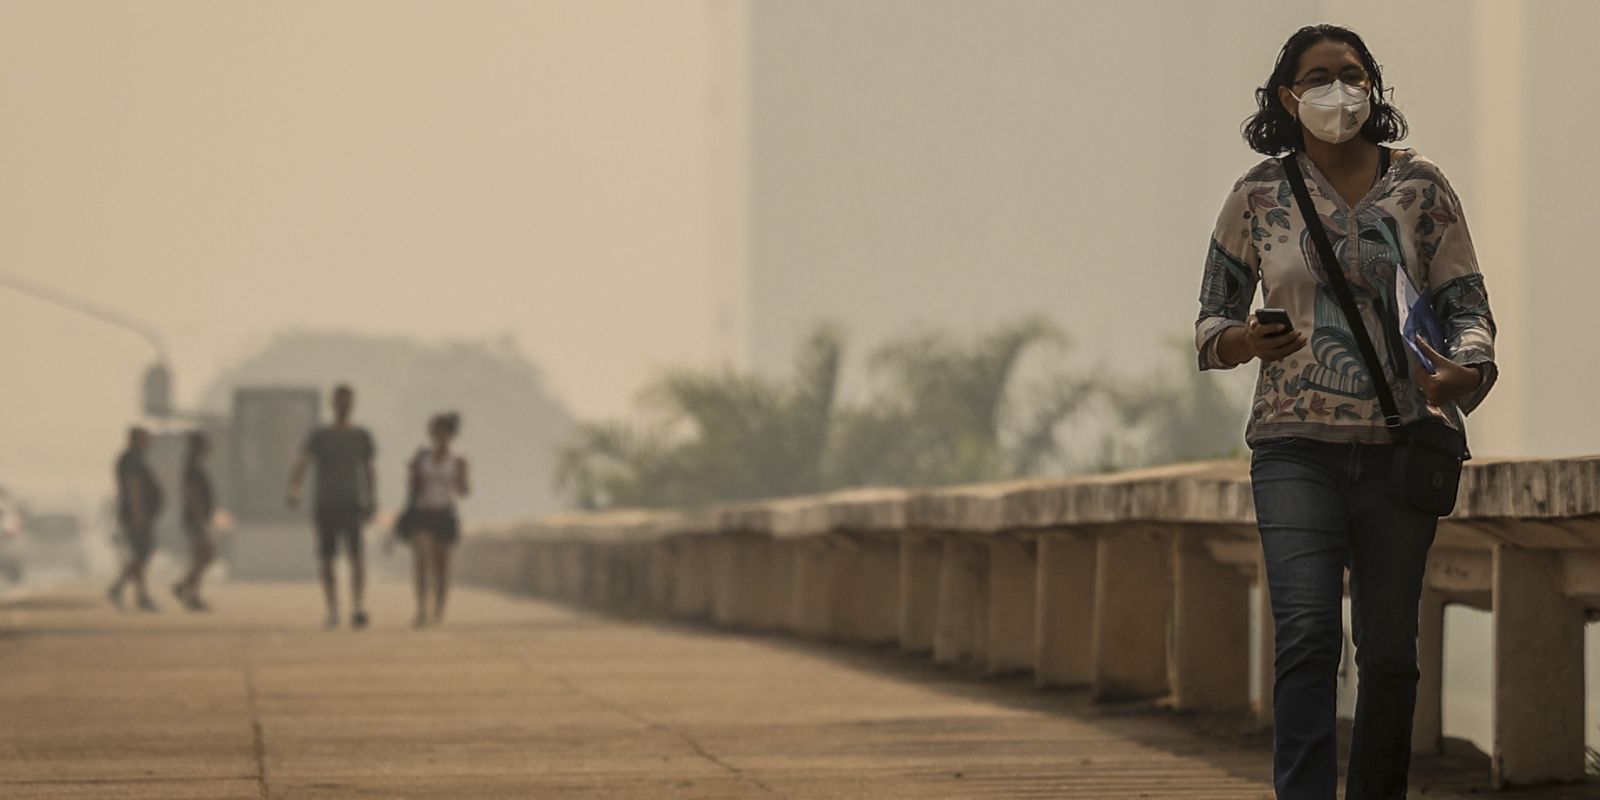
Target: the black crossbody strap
pixel 1341 288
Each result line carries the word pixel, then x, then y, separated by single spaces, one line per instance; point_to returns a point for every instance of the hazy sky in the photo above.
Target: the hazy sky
pixel 225 169
pixel 546 170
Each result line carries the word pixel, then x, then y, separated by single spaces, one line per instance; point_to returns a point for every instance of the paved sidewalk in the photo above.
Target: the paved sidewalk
pixel 513 698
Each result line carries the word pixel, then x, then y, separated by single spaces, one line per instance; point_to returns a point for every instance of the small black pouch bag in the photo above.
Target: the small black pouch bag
pixel 407 521
pixel 1428 453
pixel 1427 465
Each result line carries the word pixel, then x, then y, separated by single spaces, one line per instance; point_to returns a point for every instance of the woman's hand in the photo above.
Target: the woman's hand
pixel 1449 379
pixel 1270 342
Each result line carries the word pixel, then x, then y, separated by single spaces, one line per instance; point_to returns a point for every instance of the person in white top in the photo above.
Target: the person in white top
pixel 438 478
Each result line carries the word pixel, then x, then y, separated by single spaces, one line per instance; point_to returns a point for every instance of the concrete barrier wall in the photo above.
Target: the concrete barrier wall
pixel 1135 585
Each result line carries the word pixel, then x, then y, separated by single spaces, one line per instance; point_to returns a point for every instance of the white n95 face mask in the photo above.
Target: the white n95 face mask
pixel 1336 112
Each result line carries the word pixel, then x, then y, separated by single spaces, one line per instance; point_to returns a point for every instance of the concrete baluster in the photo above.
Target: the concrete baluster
pixel 691 578
pixel 1132 599
pixel 960 634
pixel 810 607
pixel 866 588
pixel 1209 662
pixel 1266 647
pixel 1013 576
pixel 1064 609
pixel 920 555
pixel 1427 727
pixel 1538 671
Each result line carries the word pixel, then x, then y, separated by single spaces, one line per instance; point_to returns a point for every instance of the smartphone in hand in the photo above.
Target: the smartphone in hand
pixel 1275 316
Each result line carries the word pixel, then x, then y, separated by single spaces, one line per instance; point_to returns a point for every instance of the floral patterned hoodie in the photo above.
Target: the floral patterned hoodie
pixel 1409 221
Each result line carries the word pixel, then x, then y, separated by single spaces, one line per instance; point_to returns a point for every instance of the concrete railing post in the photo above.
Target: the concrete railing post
pixel 809 590
pixel 865 590
pixel 1013 575
pixel 741 596
pixel 959 629
pixel 766 583
pixel 780 588
pixel 1132 601
pixel 574 571
pixel 1210 658
pixel 1266 647
pixel 722 559
pixel 691 577
pixel 597 560
pixel 1064 609
pixel 1427 727
pixel 658 578
pixel 1538 670
pixel 920 555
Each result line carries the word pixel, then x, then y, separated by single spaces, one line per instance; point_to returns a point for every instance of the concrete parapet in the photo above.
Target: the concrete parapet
pixel 1064 609
pixel 1137 585
pixel 691 578
pixel 1538 671
pixel 1209 664
pixel 1132 605
pixel 865 591
pixel 811 581
pixel 960 634
pixel 920 556
pixel 1013 574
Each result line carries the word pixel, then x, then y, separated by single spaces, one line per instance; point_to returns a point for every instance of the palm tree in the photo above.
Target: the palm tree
pixel 713 435
pixel 943 419
pixel 1177 414
pixel 716 435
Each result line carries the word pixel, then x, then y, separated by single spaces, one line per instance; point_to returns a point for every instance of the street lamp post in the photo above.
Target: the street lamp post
pixel 156 391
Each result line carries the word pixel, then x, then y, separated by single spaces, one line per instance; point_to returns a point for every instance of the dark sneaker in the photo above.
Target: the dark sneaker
pixel 358 620
pixel 114 595
pixel 193 602
pixel 180 592
pixel 146 604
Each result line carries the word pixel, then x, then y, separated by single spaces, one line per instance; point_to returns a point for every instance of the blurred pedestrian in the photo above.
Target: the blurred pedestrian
pixel 1337 228
pixel 344 502
pixel 138 506
pixel 438 477
pixel 199 505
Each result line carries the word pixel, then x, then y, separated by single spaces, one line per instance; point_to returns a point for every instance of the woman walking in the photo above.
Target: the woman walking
pixel 199 505
pixel 1328 420
pixel 438 477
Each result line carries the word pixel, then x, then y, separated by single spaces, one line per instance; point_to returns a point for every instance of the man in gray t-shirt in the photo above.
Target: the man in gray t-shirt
pixel 344 501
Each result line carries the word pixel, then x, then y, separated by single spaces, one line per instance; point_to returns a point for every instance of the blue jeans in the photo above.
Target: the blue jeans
pixel 1322 508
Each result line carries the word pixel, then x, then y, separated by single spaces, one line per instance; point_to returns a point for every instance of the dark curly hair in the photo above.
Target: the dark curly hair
pixel 448 421
pixel 1272 131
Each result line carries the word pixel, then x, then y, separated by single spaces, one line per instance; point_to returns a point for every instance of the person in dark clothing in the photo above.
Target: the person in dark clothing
pixel 344 501
pixel 199 505
pixel 138 505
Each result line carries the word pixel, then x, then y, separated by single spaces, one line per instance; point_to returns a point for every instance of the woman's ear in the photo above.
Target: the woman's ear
pixel 1290 103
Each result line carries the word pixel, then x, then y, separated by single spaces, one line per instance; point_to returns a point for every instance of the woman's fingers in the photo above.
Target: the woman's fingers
pixel 1430 385
pixel 1420 376
pixel 1433 355
pixel 1274 350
